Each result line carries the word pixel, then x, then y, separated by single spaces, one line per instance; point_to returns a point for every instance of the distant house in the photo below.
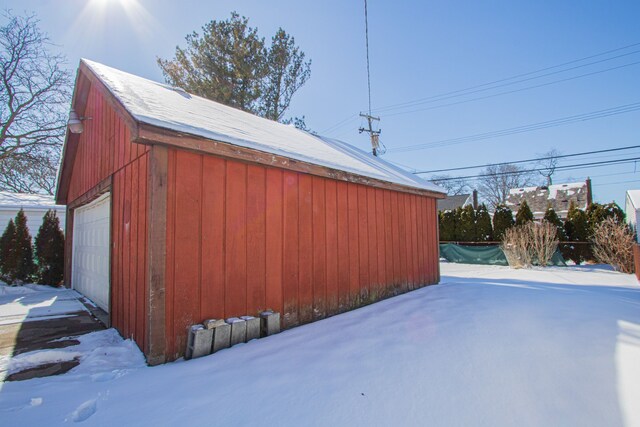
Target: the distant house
pixel 450 203
pixel 34 205
pixel 558 196
pixel 632 208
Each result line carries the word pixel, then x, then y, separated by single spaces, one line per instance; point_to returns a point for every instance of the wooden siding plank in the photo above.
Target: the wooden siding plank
pixel 388 236
pixel 256 239
pixel 158 287
pixel 344 264
pixel 332 285
pixel 187 244
pixel 354 249
pixel 133 244
pixel 170 251
pixel 380 251
pixel 402 240
pixel 236 240
pixel 126 251
pixel 414 241
pixel 213 238
pixel 290 249
pixel 274 240
pixel 373 239
pixel 305 250
pixel 142 253
pixel 319 248
pixel 363 239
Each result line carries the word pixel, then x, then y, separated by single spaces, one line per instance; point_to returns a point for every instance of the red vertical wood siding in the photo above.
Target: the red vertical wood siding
pixel 104 151
pixel 243 238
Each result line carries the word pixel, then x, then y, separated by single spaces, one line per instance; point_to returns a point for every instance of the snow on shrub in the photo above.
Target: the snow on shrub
pixel 613 244
pixel 530 243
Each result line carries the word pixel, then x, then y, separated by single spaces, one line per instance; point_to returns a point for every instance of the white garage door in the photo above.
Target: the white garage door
pixel 90 270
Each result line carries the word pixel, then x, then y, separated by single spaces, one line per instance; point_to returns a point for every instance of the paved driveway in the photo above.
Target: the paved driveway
pixel 34 318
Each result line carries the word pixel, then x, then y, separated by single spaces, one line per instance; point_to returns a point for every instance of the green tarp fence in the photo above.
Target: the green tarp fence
pixel 487 255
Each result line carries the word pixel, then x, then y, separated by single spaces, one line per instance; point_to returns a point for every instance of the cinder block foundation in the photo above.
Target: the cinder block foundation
pixel 253 327
pixel 221 336
pixel 269 323
pixel 238 330
pixel 199 342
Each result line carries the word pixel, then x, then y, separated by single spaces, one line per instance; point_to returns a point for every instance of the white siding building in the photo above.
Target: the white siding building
pixel 34 205
pixel 632 208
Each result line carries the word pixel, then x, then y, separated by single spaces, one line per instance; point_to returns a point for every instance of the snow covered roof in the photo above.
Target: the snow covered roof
pixel 450 203
pixel 172 108
pixel 31 201
pixel 558 196
pixel 634 198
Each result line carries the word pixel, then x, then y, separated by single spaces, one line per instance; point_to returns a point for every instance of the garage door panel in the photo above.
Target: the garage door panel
pixel 91 237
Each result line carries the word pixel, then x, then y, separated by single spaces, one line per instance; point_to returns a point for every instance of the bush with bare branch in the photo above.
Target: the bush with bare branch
pixel 613 244
pixel 530 243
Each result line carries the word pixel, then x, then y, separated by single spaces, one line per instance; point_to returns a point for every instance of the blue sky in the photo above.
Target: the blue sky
pixel 418 50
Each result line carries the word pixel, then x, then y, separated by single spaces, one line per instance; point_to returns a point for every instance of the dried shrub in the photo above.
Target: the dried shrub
pixel 530 243
pixel 613 244
pixel 544 242
pixel 515 245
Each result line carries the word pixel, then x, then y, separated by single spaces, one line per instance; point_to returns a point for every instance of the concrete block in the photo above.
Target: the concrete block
pixel 221 337
pixel 253 327
pixel 212 323
pixel 269 323
pixel 202 342
pixel 198 342
pixel 238 330
pixel 190 335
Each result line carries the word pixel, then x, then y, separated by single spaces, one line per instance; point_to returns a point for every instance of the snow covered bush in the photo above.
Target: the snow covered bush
pixel 613 244
pixel 530 243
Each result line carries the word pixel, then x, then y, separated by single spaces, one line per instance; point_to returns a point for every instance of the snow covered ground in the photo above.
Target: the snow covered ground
pixel 490 346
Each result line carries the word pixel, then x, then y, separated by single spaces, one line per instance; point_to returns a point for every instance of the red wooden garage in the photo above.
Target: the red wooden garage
pixel 181 209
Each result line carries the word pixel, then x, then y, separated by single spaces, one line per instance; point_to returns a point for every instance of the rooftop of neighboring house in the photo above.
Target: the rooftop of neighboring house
pixel 558 196
pixel 23 200
pixel 450 203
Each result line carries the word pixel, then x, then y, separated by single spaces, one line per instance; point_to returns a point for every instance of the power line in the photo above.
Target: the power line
pixel 530 160
pixel 366 32
pixel 559 168
pixel 523 128
pixel 343 122
pixel 514 90
pixel 515 76
pixel 483 88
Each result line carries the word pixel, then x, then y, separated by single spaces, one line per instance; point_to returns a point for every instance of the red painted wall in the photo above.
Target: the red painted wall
pixel 105 150
pixel 242 238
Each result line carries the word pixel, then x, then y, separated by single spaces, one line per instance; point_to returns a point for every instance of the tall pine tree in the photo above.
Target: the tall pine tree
pixel 484 231
pixel 49 245
pixel 576 228
pixel 467 225
pixel 448 225
pixel 8 260
pixel 524 214
pixel 502 220
pixel 23 250
pixel 551 216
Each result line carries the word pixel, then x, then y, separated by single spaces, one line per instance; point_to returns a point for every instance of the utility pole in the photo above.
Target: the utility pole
pixel 374 134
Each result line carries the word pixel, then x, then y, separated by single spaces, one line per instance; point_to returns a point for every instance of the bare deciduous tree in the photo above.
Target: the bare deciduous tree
pixel 454 186
pixel 34 98
pixel 495 182
pixel 548 164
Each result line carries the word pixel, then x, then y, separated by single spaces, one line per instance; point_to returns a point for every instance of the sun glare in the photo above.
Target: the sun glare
pixel 98 17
